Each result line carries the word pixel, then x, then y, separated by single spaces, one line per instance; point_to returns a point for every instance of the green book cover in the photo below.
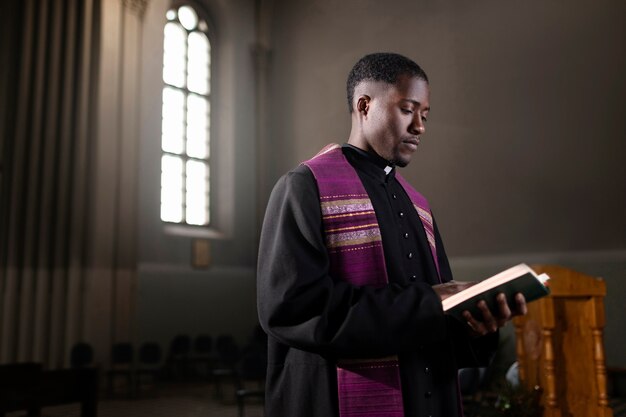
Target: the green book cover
pixel 519 279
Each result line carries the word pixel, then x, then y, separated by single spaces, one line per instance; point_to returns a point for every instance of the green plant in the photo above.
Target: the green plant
pixel 509 401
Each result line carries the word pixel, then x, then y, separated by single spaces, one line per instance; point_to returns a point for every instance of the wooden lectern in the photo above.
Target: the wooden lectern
pixel 560 347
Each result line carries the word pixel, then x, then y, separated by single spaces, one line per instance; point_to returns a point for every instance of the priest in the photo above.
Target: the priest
pixel 352 271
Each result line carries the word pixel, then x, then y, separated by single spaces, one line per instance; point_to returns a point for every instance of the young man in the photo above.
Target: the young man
pixel 352 271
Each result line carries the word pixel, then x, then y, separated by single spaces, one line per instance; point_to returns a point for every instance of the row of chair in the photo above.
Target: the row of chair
pixel 123 363
pixel 217 360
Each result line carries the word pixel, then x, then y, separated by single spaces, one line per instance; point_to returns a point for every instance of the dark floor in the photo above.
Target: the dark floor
pixel 166 400
pixel 192 400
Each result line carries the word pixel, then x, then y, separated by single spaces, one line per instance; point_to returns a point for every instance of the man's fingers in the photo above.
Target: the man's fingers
pixel 488 323
pixel 504 310
pixel 488 320
pixel 477 327
pixel 522 308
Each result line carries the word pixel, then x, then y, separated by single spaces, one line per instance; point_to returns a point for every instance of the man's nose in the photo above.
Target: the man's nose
pixel 417 127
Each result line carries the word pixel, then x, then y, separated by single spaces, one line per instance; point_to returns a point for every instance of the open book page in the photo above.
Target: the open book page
pixel 519 278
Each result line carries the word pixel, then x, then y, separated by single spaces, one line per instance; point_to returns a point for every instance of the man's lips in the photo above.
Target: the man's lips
pixel 412 142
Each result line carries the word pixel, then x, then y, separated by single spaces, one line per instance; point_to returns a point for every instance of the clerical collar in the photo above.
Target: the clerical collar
pixel 374 164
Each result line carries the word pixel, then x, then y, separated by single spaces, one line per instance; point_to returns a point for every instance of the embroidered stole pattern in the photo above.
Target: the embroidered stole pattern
pixel 370 387
pixel 423 211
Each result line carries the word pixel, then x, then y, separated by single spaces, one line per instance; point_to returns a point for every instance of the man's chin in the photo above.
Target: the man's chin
pixel 402 162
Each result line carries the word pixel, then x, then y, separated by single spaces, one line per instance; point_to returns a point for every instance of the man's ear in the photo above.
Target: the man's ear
pixel 363 104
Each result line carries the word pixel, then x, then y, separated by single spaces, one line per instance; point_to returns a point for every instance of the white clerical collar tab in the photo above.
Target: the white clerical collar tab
pixel 388 169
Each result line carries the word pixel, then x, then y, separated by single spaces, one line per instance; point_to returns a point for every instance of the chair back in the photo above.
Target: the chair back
pixel 149 353
pixel 180 346
pixel 227 349
pixel 203 344
pixel 122 353
pixel 81 355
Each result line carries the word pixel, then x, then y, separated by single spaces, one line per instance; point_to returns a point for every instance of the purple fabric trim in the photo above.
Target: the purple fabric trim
pixel 350 230
pixel 425 215
pixel 365 389
pixel 368 388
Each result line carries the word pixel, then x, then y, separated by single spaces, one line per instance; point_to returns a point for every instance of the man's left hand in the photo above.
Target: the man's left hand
pixel 490 322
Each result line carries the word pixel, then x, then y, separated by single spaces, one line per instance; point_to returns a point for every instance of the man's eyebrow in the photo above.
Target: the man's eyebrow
pixel 415 102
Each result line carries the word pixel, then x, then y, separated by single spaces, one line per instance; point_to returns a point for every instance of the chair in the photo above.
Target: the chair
pixel 149 360
pixel 179 357
pixel 470 380
pixel 201 357
pixel 67 386
pixel 251 369
pixel 81 355
pixel 26 386
pixel 20 388
pixel 122 355
pixel 228 354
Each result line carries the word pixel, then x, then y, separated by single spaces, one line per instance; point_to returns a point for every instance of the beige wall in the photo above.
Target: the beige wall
pixel 524 145
pixel 523 159
pixel 173 297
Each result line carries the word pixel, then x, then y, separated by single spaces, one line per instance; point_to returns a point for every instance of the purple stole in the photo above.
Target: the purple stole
pixel 369 387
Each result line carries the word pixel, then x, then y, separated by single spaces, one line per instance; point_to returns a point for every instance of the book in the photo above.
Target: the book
pixel 517 279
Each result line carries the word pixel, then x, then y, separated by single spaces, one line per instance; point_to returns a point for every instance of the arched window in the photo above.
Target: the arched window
pixel 186 111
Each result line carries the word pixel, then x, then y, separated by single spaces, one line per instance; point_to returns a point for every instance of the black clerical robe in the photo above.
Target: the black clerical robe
pixel 313 319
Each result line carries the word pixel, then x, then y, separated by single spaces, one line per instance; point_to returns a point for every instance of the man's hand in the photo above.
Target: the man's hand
pixel 491 323
pixel 451 287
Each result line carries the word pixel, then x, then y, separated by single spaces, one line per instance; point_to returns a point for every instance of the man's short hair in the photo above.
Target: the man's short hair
pixel 381 66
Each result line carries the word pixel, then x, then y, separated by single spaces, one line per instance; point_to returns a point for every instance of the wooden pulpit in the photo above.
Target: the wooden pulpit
pixel 560 345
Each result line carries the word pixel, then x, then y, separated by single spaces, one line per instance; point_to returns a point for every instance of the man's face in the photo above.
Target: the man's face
pixel 395 119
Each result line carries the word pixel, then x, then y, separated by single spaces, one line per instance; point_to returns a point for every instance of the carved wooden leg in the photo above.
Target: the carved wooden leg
pixel 598 356
pixel 548 354
pixel 519 350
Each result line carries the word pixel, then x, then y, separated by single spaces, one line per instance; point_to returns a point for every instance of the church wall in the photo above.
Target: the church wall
pixel 84 256
pixel 173 296
pixel 524 141
pixel 522 158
